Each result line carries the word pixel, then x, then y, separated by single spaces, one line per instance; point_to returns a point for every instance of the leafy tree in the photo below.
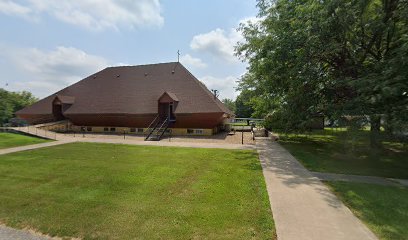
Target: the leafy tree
pixel 338 57
pixel 243 106
pixel 229 103
pixel 10 102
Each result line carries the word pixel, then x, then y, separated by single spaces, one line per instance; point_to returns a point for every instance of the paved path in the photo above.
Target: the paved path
pixel 7 233
pixel 62 139
pixel 33 146
pixel 168 144
pixel 302 206
pixel 360 179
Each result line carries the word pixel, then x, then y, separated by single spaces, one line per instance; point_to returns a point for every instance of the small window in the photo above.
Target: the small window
pixel 132 130
pixel 199 131
pixel 106 129
pixel 113 129
pixel 89 129
pixel 140 130
pixel 168 130
pixel 82 129
pixel 190 131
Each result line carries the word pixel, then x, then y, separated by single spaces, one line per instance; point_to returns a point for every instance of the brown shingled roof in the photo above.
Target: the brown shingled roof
pixel 133 90
pixel 66 99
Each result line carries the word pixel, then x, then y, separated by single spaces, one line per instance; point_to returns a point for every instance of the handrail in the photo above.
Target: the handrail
pixel 165 121
pixel 162 133
pixel 153 121
pixel 157 127
pixel 148 131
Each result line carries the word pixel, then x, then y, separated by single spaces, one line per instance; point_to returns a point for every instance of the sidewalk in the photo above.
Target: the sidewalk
pixel 302 206
pixel 34 146
pixel 167 143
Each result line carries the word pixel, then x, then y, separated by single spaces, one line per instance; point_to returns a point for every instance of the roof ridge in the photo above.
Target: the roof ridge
pixel 141 65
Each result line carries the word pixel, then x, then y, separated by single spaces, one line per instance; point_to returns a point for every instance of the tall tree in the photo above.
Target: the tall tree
pixel 243 106
pixel 338 57
pixel 229 103
pixel 10 102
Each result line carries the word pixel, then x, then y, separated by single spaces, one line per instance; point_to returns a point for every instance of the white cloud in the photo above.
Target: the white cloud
pixel 12 8
pixel 91 14
pixel 192 61
pixel 226 85
pixel 218 43
pixel 49 71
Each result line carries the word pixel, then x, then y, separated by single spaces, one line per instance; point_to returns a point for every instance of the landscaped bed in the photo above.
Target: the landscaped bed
pixel 383 208
pixel 106 191
pixel 347 152
pixel 8 140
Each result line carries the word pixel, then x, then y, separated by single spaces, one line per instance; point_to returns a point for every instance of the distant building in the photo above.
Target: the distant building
pixel 132 98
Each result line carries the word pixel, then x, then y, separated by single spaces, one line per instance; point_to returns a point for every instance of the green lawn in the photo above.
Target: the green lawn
pixel 347 152
pixel 8 140
pixel 106 191
pixel 383 208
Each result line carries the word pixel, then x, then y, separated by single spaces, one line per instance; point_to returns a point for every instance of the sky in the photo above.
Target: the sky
pixel 46 45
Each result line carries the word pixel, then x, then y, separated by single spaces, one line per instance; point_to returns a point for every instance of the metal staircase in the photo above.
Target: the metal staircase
pixel 157 128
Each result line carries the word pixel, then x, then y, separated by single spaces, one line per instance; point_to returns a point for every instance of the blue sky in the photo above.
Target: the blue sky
pixel 46 45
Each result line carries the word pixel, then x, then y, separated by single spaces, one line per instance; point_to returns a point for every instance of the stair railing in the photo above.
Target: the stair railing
pixel 148 130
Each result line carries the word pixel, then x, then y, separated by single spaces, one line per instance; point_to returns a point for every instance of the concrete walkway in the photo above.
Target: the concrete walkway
pixel 168 144
pixel 33 146
pixel 7 233
pixel 360 179
pixel 303 207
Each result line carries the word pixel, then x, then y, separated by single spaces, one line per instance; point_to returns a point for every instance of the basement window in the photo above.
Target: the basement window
pixel 190 131
pixel 89 129
pixel 199 131
pixel 113 129
pixel 132 130
pixel 106 129
pixel 82 129
pixel 140 130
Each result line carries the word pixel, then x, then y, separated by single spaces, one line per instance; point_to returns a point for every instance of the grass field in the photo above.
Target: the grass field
pixel 8 140
pixel 106 191
pixel 383 208
pixel 347 152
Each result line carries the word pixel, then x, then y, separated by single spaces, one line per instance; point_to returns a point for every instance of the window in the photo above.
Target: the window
pixel 190 131
pixel 113 129
pixel 168 130
pixel 89 129
pixel 132 130
pixel 82 129
pixel 199 131
pixel 140 130
pixel 106 129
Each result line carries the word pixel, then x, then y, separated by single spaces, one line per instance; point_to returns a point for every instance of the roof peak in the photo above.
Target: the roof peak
pixel 144 65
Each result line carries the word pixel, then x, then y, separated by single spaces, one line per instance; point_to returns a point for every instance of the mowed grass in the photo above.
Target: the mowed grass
pixel 347 152
pixel 106 191
pixel 8 140
pixel 384 209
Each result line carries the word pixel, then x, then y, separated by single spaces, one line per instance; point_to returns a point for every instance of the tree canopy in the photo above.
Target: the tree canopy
pixel 10 102
pixel 337 57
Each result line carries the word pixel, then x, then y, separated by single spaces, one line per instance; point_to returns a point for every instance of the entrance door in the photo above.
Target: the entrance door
pixel 57 112
pixel 167 110
pixel 163 110
pixel 171 112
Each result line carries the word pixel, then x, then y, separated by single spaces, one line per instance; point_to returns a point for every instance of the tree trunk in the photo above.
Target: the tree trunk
pixel 375 121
